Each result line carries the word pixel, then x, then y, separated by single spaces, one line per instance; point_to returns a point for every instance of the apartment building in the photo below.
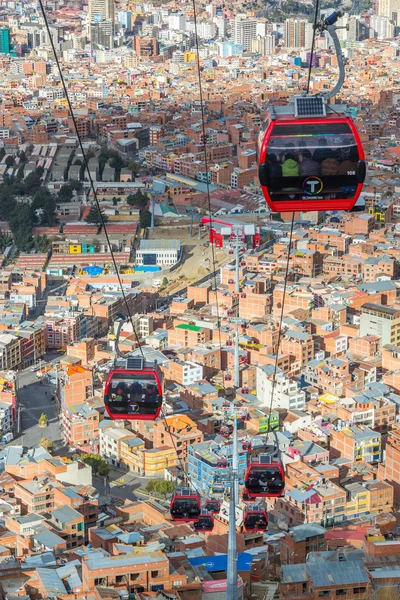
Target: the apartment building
pixel 382 321
pixel 188 335
pixel 75 386
pixel 313 581
pixel 184 372
pixel 10 351
pixel 135 570
pixel 80 425
pixel 390 469
pixel 356 443
pixel 62 331
pixel 36 496
pixel 69 524
pixel 177 431
pixel 287 391
pixel 109 439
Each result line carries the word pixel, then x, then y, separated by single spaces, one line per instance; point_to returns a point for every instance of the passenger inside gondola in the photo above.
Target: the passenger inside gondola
pixel 204 523
pixel 266 480
pixel 303 165
pixel 256 521
pixel 132 393
pixel 185 509
pixel 213 506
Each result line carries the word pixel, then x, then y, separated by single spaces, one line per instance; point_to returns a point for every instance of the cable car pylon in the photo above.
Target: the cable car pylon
pixel 232 571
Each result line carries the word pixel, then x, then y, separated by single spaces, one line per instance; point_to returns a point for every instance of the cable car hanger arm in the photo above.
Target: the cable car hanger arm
pixel 328 25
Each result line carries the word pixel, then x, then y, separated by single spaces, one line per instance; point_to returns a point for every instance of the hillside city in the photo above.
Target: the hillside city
pixel 152 238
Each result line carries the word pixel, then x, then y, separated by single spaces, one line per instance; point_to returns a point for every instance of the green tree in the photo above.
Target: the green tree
pixel 22 157
pixel 98 464
pixel 103 468
pixel 41 242
pixel 76 185
pixel 164 487
pixel 33 181
pixel 20 223
pixel 95 216
pixel 165 282
pixel 139 200
pixel 150 486
pixel 5 241
pixel 145 218
pixel 2 153
pixel 20 172
pixel 116 163
pixel 65 193
pixel 78 162
pixel 10 161
pixel 135 168
pixel 45 202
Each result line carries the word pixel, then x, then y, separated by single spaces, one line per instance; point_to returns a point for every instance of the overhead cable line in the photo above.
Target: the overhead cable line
pixel 86 165
pixel 316 15
pixel 204 135
pixel 280 323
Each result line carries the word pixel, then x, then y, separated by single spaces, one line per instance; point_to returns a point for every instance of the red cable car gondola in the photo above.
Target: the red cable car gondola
pixel 185 506
pixel 255 520
pixel 265 479
pixel 222 463
pixel 133 391
pixel 212 506
pixel 205 522
pixel 224 431
pixel 310 158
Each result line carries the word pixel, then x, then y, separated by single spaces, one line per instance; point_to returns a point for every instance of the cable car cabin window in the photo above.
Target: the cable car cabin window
pixel 309 162
pixel 256 522
pixel 264 481
pixel 133 393
pixel 185 508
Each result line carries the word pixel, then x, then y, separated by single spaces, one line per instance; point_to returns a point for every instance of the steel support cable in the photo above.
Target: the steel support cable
pixel 313 43
pixel 280 324
pixel 203 128
pixel 86 164
pixel 100 213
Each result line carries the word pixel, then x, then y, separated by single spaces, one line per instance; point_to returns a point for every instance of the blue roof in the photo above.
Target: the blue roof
pixel 219 563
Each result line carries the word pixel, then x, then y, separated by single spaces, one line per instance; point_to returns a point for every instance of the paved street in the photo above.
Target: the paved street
pixel 34 399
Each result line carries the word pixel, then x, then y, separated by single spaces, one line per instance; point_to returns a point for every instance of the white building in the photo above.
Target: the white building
pixel 160 253
pixel 380 27
pixel 287 392
pixel 244 31
pixel 192 372
pixel 177 22
pixel 109 437
pixel 6 420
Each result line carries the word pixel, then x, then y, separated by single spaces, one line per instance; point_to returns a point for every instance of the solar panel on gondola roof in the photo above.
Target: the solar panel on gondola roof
pixel 134 362
pixel 309 107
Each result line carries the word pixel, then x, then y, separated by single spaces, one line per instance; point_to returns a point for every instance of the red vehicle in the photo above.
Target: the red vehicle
pixel 255 520
pixel 222 463
pixel 310 158
pixel 133 392
pixel 212 506
pixel 205 522
pixel 185 506
pixel 224 431
pixel 265 479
